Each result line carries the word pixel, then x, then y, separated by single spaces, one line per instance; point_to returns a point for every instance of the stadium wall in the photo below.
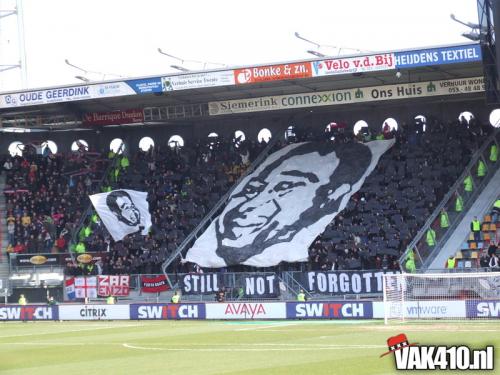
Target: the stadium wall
pixel 334 309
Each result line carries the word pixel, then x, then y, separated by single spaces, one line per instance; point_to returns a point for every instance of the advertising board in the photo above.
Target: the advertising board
pixel 155 311
pixel 329 310
pixel 29 312
pixel 246 310
pixel 94 312
pixel 348 96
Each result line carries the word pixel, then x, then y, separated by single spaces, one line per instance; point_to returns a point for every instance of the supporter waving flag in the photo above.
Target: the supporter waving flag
pixel 123 212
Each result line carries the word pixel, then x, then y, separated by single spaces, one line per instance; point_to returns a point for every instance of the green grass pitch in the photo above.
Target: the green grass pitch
pixel 219 347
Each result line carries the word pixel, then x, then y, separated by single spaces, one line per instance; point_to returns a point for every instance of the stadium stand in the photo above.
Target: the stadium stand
pixel 184 183
pixel 477 252
pixel 45 197
pixel 396 199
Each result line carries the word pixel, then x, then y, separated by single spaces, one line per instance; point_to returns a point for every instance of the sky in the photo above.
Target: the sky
pixel 122 37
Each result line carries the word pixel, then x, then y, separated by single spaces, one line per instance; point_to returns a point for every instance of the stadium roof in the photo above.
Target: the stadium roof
pixel 201 87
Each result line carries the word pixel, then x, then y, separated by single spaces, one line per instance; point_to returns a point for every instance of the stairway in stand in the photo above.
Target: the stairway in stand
pixel 4 258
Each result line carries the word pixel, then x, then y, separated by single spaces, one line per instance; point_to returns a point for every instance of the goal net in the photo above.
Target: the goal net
pixel 441 296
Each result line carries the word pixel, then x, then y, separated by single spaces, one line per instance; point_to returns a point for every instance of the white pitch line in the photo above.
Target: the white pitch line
pixel 296 348
pixel 234 347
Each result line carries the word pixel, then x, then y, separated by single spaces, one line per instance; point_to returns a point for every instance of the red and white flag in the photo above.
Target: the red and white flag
pixel 86 287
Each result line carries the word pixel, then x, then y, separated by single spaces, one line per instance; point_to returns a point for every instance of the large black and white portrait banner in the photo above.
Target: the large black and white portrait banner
pixel 277 211
pixel 123 212
pixel 346 282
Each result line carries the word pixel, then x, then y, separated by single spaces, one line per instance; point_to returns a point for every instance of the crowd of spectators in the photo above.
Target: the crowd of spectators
pixel 409 181
pixel 183 184
pixel 45 195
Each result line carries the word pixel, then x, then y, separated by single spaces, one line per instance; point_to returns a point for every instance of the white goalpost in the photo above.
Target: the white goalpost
pixel 434 296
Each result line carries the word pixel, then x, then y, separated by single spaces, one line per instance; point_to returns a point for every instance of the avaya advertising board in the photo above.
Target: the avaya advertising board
pixel 246 310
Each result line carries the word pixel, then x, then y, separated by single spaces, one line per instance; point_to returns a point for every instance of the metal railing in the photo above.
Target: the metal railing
pixel 292 285
pixel 424 254
pixel 207 220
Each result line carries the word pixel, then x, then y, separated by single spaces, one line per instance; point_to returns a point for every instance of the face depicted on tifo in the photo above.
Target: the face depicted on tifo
pixel 129 211
pixel 286 196
pixel 269 203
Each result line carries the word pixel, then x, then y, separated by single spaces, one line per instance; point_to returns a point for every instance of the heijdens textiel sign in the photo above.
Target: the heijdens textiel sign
pixel 349 96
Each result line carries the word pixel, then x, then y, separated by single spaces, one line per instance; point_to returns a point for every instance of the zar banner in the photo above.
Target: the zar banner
pixel 155 311
pixel 115 285
pixel 261 286
pixel 29 312
pixel 348 96
pixel 200 283
pixel 329 310
pixel 155 284
pixel 346 282
pixel 275 213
